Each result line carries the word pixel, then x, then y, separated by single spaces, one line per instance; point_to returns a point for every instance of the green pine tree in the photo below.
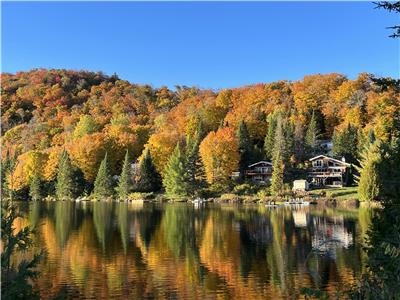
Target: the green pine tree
pixel 277 185
pixel 311 137
pixel 103 185
pixel 146 177
pixel 66 186
pixel 7 166
pixel 269 141
pixel 369 179
pixel 175 181
pixel 245 147
pixel 371 136
pixel 35 188
pixel 125 182
pixel 194 166
pixel 280 143
pixel 345 143
pixel 298 141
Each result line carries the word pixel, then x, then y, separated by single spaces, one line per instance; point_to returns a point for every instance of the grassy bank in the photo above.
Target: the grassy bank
pixel 344 193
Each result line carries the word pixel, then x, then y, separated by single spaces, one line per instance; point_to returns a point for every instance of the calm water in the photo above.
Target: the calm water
pixel 130 251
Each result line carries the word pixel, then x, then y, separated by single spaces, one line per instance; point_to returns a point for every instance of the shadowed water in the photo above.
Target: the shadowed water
pixel 131 251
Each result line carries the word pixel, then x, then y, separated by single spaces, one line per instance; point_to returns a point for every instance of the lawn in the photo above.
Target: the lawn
pixel 343 193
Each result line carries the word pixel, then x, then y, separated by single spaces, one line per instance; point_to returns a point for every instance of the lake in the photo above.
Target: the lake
pixel 107 250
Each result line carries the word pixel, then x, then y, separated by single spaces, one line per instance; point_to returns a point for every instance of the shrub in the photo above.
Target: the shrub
pixel 245 189
pixel 264 192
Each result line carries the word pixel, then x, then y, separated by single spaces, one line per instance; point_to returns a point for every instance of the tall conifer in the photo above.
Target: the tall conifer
pixel 125 181
pixel 270 137
pixel 245 146
pixel 103 185
pixel 277 185
pixel 369 180
pixel 146 177
pixel 311 138
pixel 175 181
pixel 35 187
pixel 66 185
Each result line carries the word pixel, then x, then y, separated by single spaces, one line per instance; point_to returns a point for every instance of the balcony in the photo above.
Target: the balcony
pixel 324 174
pixel 254 173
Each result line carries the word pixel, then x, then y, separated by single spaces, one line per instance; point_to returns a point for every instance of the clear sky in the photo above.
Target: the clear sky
pixel 207 44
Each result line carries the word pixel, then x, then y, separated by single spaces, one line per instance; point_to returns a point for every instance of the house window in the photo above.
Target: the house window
pixel 318 163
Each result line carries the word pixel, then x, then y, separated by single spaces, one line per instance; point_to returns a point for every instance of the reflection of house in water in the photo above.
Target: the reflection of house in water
pixel 330 234
pixel 300 218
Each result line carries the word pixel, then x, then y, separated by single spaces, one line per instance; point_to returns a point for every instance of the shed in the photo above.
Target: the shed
pixel 300 185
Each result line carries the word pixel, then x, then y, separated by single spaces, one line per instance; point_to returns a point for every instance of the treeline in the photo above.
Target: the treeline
pixel 68 133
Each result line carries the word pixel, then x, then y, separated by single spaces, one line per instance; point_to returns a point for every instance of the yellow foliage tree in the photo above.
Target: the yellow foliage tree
pixel 87 153
pixel 51 167
pixel 161 146
pixel 27 164
pixel 220 155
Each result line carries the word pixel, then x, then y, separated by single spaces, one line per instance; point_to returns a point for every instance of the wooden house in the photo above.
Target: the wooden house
pixel 260 172
pixel 328 171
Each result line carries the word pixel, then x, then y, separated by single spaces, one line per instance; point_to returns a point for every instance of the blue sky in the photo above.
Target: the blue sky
pixel 207 44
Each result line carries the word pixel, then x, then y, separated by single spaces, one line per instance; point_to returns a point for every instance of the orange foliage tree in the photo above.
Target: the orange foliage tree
pixel 220 155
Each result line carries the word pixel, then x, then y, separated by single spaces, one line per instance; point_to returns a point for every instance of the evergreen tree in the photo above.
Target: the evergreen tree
pixel 277 185
pixel 245 147
pixel 345 143
pixel 35 189
pixel 298 141
pixel 311 138
pixel 175 181
pixel 280 144
pixel 369 178
pixel 371 136
pixel 390 172
pixel 66 186
pixel 289 140
pixel 269 141
pixel 194 167
pixel 7 166
pixel 146 178
pixel 125 182
pixel 103 185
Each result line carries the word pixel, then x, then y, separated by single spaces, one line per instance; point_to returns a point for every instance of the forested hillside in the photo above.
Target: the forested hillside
pixel 87 114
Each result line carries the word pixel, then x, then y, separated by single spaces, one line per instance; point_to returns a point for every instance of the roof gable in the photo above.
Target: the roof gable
pixel 260 162
pixel 329 158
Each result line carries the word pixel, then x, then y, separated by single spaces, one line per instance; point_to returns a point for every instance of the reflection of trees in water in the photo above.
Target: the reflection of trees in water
pixel 175 251
pixel 382 277
pixel 102 212
pixel 64 217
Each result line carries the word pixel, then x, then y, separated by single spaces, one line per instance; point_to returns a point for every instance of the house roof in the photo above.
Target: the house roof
pixel 261 162
pixel 300 180
pixel 330 158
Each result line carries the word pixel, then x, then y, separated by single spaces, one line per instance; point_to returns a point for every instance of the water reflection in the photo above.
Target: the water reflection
pixel 119 250
pixel 382 276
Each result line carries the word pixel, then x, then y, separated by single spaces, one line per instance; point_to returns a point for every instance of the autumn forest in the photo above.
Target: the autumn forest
pixel 86 118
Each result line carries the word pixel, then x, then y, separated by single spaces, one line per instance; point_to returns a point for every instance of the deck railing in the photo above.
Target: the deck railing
pixel 258 173
pixel 325 174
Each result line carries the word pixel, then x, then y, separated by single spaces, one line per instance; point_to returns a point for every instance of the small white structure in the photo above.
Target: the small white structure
pixel 300 185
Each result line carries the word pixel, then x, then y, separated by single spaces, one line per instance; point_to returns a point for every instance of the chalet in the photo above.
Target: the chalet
pixel 327 171
pixel 260 172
